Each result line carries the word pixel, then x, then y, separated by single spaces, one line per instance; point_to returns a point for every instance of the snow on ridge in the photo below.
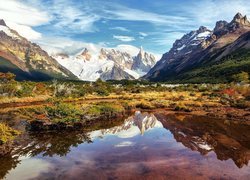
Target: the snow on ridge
pixel 89 65
pixel 203 35
pixel 7 31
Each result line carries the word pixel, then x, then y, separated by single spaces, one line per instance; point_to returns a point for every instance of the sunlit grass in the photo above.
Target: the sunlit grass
pixel 7 133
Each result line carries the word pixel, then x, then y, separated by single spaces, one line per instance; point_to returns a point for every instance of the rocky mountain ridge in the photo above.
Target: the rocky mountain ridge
pixel 197 48
pixel 26 59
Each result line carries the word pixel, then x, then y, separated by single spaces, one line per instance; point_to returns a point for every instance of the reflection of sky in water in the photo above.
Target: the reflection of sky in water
pixel 29 168
pixel 140 146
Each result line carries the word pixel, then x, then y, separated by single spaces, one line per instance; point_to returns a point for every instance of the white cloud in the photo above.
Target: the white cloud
pixel 54 45
pixel 207 12
pixel 25 31
pixel 72 18
pixel 21 17
pixel 128 48
pixel 124 38
pixel 120 29
pixel 167 39
pixel 20 13
pixel 143 34
pixel 125 144
pixel 130 14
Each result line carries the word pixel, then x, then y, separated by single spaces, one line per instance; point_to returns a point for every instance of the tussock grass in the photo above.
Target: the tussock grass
pixel 24 99
pixel 7 133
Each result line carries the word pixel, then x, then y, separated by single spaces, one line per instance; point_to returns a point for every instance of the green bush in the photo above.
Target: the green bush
pixel 104 108
pixel 63 112
pixel 9 89
pixel 26 89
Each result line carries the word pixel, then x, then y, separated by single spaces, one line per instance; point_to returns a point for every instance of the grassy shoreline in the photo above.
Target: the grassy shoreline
pixel 71 104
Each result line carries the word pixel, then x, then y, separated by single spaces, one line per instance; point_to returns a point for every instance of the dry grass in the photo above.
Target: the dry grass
pixel 7 133
pixel 24 99
pixel 144 100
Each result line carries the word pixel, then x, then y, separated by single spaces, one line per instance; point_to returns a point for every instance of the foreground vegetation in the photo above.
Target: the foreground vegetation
pixel 65 105
pixel 7 133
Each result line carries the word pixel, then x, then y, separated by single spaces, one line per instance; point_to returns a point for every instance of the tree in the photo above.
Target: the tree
pixel 242 77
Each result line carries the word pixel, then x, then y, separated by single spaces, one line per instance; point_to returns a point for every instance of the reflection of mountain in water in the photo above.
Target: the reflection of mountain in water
pixel 203 134
pixel 228 140
pixel 132 126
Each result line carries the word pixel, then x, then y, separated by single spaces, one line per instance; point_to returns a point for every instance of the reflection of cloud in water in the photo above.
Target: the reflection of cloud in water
pixel 125 144
pixel 133 126
pixel 28 169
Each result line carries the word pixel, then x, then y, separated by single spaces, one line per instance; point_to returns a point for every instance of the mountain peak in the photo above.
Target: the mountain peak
pixel 238 16
pixel 240 19
pixel 85 54
pixel 141 50
pixel 2 22
pixel 141 53
pixel 202 29
pixel 220 25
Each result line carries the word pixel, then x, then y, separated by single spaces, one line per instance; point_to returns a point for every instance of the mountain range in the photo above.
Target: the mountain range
pixel 207 55
pixel 91 64
pixel 202 55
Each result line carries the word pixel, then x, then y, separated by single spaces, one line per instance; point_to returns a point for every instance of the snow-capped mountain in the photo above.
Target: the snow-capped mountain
pixel 91 64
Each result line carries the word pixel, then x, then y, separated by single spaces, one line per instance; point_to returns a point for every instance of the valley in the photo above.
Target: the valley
pixel 107 110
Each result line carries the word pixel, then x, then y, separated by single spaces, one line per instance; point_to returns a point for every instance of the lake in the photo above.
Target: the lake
pixel 145 145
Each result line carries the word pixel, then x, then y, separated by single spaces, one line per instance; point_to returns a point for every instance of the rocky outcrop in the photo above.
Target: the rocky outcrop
pixel 2 22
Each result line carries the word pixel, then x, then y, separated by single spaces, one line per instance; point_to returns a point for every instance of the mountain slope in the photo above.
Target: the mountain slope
pixel 91 64
pixel 231 60
pixel 204 49
pixel 27 60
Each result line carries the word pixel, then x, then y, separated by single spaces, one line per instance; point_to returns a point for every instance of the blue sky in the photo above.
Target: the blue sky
pixel 153 24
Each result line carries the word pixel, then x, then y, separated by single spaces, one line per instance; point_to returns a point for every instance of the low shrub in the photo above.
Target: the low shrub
pixel 181 107
pixel 104 108
pixel 7 133
pixel 144 105
pixel 63 112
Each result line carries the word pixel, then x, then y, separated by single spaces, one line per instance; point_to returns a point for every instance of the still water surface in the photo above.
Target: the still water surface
pixel 143 146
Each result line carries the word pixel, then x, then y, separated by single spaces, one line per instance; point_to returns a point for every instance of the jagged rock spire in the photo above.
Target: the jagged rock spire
pixel 240 19
pixel 238 16
pixel 2 22
pixel 202 29
pixel 141 53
